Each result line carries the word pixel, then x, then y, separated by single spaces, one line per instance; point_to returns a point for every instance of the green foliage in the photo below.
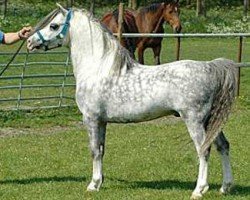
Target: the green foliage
pixel 219 18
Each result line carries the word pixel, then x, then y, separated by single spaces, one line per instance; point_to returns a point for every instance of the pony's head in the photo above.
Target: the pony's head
pixel 171 15
pixel 52 31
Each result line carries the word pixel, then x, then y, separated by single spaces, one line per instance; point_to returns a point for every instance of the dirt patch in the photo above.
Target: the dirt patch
pixel 75 126
pixel 10 132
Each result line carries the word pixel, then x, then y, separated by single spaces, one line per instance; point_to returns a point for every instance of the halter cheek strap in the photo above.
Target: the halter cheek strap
pixel 41 37
pixel 64 31
pixel 60 35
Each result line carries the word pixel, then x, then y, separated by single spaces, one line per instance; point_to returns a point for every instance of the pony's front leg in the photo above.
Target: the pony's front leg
pixel 97 133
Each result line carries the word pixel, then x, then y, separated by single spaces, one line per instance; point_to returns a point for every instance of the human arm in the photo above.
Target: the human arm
pixel 10 38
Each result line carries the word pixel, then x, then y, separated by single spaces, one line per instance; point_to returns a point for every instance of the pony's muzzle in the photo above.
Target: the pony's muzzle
pixel 32 44
pixel 177 29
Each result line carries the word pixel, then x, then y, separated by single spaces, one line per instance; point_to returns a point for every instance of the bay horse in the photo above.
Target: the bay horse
pixel 148 19
pixel 113 88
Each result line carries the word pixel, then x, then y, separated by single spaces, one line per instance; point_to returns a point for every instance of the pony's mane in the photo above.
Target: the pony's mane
pixel 151 8
pixel 122 54
pixel 154 7
pixel 116 14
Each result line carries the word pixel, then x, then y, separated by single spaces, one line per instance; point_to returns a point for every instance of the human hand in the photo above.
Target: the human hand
pixel 24 33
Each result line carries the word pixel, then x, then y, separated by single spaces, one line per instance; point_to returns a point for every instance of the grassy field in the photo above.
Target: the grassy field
pixel 44 155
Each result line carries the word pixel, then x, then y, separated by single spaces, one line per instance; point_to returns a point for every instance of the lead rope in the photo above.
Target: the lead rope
pixel 11 60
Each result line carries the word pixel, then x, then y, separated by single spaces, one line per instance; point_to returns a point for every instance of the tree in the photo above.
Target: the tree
pixel 200 8
pixel 4 7
pixel 92 7
pixel 70 3
pixel 134 4
pixel 246 7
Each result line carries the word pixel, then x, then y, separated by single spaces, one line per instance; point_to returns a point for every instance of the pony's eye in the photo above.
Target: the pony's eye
pixel 54 27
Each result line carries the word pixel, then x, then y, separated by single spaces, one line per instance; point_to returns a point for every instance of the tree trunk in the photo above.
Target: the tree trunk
pixel 201 8
pixel 70 3
pixel 129 3
pixel 133 4
pixel 5 9
pixel 246 7
pixel 188 2
pixel 92 7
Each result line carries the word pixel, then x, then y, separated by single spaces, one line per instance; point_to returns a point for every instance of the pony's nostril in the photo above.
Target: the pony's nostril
pixel 178 29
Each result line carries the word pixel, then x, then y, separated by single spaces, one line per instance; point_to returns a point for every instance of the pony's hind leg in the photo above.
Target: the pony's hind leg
pixel 197 133
pixel 97 133
pixel 222 146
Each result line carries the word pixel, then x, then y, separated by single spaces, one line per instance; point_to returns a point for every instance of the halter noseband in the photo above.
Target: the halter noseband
pixel 60 35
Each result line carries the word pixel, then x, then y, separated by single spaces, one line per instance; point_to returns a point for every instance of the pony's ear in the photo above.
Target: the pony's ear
pixel 176 1
pixel 64 11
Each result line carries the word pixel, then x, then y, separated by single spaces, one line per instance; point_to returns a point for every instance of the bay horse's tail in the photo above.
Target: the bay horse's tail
pixel 223 100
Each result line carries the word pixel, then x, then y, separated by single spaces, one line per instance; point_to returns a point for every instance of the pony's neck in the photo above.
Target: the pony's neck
pixel 93 52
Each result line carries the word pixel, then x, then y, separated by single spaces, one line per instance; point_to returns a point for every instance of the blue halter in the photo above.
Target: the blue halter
pixel 60 35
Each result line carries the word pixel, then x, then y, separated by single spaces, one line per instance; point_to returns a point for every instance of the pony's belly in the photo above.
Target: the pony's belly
pixel 126 116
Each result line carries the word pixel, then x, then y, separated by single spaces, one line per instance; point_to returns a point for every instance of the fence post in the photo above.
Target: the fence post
pixel 19 98
pixel 178 47
pixel 239 61
pixel 64 80
pixel 120 21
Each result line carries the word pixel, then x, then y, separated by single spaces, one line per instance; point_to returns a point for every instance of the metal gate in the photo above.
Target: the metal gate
pixel 37 80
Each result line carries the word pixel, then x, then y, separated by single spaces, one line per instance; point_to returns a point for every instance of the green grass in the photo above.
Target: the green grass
pixel 143 161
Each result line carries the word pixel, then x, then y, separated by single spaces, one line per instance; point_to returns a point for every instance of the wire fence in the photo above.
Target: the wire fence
pixel 45 80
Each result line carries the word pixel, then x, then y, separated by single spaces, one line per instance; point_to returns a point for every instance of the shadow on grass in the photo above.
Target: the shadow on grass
pixel 237 190
pixel 43 180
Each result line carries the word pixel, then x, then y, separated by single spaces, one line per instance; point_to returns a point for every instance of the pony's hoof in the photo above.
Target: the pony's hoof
pixel 226 188
pixel 196 196
pixel 205 189
pixel 92 187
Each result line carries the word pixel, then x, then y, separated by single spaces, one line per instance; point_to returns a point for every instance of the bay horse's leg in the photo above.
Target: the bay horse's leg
pixel 222 146
pixel 197 133
pixel 141 49
pixel 157 52
pixel 97 132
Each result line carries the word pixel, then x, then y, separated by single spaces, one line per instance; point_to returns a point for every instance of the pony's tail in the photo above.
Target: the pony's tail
pixel 223 100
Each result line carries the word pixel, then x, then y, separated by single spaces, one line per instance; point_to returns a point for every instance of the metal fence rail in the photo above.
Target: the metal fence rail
pixel 45 79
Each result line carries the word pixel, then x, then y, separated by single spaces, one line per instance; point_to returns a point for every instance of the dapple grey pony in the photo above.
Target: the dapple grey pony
pixel 113 88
